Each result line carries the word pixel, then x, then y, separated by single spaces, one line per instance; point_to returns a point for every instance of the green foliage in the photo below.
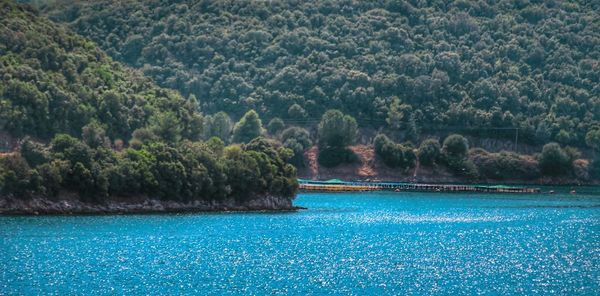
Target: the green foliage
pixel 298 140
pixel 275 126
pixel 554 160
pixel 455 147
pixel 462 167
pixel 56 85
pixel 429 152
pixel 394 155
pixel 465 64
pixel 336 130
pixel 53 81
pixel 248 128
pixel 218 125
pixel 296 112
pixel 398 114
pixel 332 157
pixel 216 145
pixel 166 127
pixel 592 139
pixel 34 153
pixel 455 153
pixel 185 172
pixel 144 136
pixel 505 165
pixel 15 176
pixel 93 135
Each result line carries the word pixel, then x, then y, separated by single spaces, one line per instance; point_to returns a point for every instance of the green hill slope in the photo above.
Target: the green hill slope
pixel 525 64
pixel 54 81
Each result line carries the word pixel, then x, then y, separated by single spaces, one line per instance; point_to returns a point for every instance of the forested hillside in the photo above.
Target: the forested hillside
pixel 93 128
pixel 55 81
pixel 423 65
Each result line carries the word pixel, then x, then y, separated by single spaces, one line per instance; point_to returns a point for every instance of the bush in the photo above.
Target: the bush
pixel 394 155
pixel 554 160
pixel 504 165
pixel 462 167
pixel 337 130
pixel 15 176
pixel 455 146
pixel 333 157
pixel 429 152
pixel 298 140
pixel 34 153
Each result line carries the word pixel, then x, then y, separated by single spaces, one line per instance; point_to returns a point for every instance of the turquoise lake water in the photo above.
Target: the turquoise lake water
pixel 344 244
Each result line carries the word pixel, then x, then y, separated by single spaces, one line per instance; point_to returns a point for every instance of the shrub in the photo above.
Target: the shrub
pixel 332 157
pixel 394 155
pixel 34 153
pixel 298 140
pixel 337 130
pixel 462 167
pixel 455 146
pixel 504 165
pixel 429 152
pixel 554 160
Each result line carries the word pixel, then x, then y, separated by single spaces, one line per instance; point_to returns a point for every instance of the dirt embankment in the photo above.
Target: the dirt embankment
pixel 371 168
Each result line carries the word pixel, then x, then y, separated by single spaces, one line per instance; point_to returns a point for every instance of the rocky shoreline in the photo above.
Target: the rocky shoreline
pixel 73 206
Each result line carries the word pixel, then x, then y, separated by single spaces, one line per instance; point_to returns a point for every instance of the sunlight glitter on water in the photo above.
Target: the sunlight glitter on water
pixel 349 244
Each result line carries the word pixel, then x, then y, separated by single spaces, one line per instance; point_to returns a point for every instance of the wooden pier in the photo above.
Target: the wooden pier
pixel 343 186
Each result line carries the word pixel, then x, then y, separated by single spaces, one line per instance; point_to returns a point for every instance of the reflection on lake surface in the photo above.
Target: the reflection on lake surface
pixel 361 244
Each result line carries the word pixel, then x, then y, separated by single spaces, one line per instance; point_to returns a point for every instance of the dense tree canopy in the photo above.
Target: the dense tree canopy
pixel 53 81
pixel 185 172
pixel 60 88
pixel 483 64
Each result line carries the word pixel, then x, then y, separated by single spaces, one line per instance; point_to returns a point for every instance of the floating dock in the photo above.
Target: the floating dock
pixel 344 186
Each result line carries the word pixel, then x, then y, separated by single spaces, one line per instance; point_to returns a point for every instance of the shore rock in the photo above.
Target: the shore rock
pixel 43 206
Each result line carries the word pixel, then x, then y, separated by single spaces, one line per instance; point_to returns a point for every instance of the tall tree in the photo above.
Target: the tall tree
pixel 248 128
pixel 218 125
pixel 337 130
